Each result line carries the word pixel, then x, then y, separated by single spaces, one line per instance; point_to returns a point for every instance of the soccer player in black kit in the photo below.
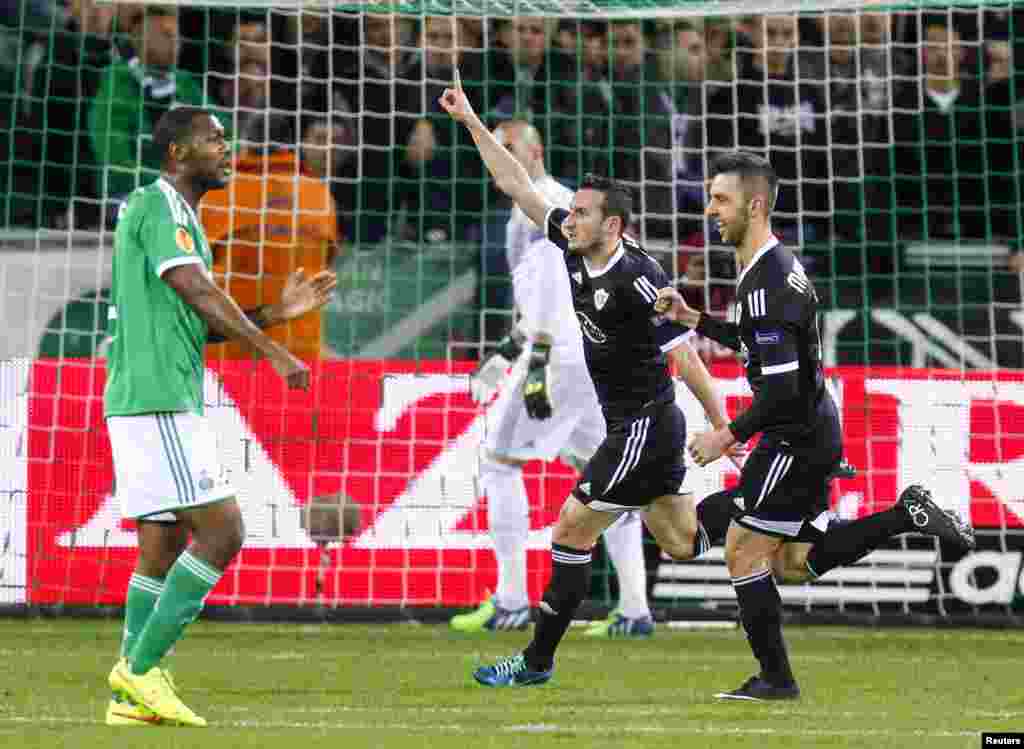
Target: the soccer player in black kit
pixel 640 465
pixel 784 482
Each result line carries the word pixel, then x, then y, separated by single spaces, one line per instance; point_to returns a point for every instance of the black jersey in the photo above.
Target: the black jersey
pixel 776 330
pixel 624 340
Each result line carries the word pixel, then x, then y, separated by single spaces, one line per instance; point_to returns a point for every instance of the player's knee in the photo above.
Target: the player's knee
pixel 565 533
pixel 794 569
pixel 788 571
pixel 679 550
pixel 742 561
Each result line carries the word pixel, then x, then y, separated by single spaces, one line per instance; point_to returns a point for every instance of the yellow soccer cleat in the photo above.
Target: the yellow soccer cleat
pixel 153 691
pixel 123 712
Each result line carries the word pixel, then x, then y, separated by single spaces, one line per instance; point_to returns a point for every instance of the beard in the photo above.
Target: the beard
pixel 737 231
pixel 587 249
pixel 214 180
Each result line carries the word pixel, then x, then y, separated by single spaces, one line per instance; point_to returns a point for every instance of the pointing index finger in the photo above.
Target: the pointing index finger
pixel 458 79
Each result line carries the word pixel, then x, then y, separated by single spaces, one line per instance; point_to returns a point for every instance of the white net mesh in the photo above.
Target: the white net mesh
pixel 896 132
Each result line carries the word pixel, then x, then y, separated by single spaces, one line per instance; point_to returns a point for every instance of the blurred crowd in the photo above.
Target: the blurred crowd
pixel 884 127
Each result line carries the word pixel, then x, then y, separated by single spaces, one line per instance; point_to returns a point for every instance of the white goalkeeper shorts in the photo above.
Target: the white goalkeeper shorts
pixel 576 425
pixel 165 462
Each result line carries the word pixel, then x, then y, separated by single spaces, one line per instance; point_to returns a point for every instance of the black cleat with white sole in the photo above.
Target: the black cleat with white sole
pixel 930 519
pixel 756 689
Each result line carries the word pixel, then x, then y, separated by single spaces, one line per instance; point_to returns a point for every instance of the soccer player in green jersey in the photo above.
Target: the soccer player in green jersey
pixel 164 308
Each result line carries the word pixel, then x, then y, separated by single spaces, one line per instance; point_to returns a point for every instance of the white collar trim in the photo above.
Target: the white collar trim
pixel 772 242
pixel 616 256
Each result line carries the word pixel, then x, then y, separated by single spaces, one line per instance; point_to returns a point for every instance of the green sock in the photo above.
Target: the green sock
pixel 188 583
pixel 138 605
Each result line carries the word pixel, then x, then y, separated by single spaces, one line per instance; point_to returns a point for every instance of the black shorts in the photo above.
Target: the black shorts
pixel 785 483
pixel 640 460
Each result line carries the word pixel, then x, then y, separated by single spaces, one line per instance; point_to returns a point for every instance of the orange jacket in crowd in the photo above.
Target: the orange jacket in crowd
pixel 269 221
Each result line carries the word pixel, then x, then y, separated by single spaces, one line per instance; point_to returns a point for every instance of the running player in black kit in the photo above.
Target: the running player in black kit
pixel 640 465
pixel 784 482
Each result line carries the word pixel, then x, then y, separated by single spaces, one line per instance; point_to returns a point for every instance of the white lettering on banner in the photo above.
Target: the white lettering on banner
pixel 935 439
pixel 915 429
pixel 272 518
pixel 884 576
pixel 427 512
pixel 1009 578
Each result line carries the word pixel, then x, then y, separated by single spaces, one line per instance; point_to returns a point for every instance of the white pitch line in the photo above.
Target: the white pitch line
pixel 635 655
pixel 459 728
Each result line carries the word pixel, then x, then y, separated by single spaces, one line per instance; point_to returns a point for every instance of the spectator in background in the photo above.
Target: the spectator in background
pixel 132 96
pixel 642 127
pixel 241 86
pixel 857 80
pixel 529 78
pixel 773 111
pixel 64 84
pixel 373 80
pixel 684 64
pixel 999 58
pixel 301 47
pixel 940 157
pixel 443 194
pixel 328 154
pixel 567 36
pixel 471 33
pixel 719 41
pixel 267 223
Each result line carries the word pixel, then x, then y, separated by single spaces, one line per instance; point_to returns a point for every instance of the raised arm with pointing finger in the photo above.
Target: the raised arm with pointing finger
pixel 510 176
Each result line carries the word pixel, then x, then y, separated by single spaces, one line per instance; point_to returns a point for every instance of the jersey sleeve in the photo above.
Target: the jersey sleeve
pixel 778 316
pixel 553 227
pixel 165 236
pixel 667 334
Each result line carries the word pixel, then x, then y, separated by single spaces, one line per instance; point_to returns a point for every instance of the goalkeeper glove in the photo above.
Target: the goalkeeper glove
pixel 537 388
pixel 484 380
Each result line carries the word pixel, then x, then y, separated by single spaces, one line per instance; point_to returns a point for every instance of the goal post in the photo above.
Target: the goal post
pixel 897 132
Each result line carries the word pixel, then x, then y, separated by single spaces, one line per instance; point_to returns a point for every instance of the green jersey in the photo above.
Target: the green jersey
pixel 155 360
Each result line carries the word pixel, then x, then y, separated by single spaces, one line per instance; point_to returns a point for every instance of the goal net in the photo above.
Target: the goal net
pixel 896 132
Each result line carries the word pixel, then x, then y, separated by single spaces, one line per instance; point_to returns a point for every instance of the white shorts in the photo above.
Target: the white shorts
pixel 165 462
pixel 576 424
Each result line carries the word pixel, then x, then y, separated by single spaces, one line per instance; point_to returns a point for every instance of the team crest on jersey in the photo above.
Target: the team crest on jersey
pixel 184 240
pixel 600 298
pixel 577 277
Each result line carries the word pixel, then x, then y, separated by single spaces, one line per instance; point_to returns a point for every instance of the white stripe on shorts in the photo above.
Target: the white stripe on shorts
pixel 631 454
pixel 779 468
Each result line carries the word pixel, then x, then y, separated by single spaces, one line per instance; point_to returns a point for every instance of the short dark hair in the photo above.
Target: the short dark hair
pixel 747 165
pixel 174 127
pixel 618 196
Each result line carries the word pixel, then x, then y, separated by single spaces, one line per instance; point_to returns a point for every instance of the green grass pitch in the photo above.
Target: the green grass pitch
pixel 346 686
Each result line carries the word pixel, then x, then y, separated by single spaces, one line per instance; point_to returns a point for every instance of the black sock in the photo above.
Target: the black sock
pixel 714 513
pixel 848 542
pixel 761 614
pixel 570 580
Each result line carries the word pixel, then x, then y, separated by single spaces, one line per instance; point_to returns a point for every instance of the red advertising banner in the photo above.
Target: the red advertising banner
pixel 401 439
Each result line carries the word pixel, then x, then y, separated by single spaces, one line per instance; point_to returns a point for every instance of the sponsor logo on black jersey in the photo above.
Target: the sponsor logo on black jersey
pixel 591 331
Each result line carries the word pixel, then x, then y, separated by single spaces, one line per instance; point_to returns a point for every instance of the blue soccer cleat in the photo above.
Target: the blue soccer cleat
pixel 511 672
pixel 617 626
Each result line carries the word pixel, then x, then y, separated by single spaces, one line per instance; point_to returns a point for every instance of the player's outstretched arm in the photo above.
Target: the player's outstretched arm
pixel 697 378
pixel 223 316
pixel 699 381
pixel 300 296
pixel 510 176
pixel 671 304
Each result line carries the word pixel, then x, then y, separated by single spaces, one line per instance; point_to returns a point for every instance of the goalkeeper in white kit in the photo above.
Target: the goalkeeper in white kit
pixel 547 352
